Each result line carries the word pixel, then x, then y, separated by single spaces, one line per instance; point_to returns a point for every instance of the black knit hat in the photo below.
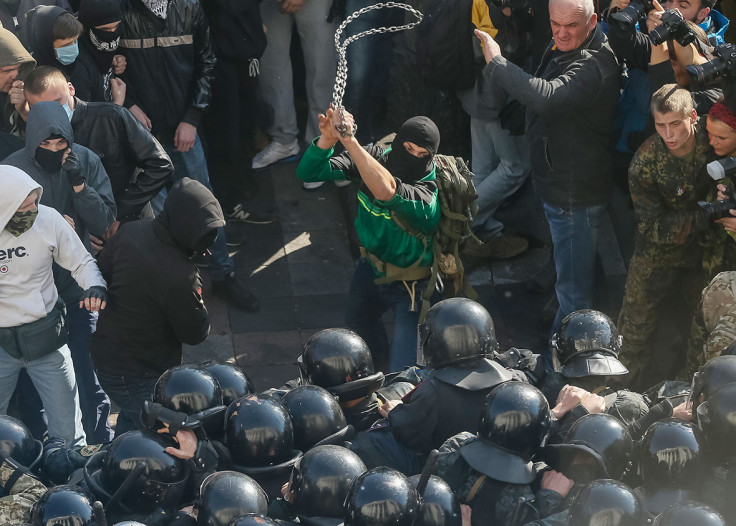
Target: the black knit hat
pixel 94 13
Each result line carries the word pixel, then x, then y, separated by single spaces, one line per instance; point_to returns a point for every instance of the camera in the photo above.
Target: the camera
pixel 719 170
pixel 723 64
pixel 631 15
pixel 673 27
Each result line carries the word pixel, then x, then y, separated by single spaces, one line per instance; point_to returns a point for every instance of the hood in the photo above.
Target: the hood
pixel 190 212
pixel 45 119
pixel 40 22
pixel 715 26
pixel 16 186
pixel 12 52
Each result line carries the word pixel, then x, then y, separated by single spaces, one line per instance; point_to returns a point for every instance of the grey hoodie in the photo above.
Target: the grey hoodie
pixel 92 209
pixel 26 281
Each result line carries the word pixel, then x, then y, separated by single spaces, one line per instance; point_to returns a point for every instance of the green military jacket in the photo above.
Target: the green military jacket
pixel 665 190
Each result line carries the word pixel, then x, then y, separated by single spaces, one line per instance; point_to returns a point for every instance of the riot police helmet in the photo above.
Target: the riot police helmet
pixel 226 495
pixel 17 442
pixel 608 502
pixel 439 506
pixel 65 504
pixel 381 496
pixel 689 514
pixel 316 416
pixel 234 382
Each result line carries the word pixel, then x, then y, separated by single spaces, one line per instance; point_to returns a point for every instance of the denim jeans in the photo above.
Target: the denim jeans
pixel 366 304
pixel 128 393
pixel 53 376
pixel 501 164
pixel 574 237
pixel 93 401
pixel 192 164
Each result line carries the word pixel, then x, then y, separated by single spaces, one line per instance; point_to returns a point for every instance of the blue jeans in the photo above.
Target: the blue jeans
pixel 193 164
pixel 129 393
pixel 366 304
pixel 501 164
pixel 53 376
pixel 574 237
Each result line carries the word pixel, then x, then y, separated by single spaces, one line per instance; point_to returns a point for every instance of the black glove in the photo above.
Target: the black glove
pixel 95 291
pixel 73 170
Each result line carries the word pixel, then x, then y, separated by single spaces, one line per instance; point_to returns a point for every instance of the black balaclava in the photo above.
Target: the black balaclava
pixel 407 167
pixel 102 44
pixel 49 160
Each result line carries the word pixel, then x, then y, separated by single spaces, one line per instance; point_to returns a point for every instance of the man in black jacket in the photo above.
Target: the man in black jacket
pixel 169 74
pixel 123 144
pixel 155 302
pixel 570 103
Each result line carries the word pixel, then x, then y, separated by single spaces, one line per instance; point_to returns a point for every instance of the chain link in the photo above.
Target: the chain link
pixel 342 63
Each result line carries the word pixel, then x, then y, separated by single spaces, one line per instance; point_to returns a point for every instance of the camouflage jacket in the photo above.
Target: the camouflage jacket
pixel 714 328
pixel 665 190
pixel 20 491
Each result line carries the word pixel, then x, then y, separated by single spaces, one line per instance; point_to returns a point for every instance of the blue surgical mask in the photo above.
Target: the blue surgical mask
pixel 68 110
pixel 67 54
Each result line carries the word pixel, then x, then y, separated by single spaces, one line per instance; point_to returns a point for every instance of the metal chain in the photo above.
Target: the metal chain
pixel 342 63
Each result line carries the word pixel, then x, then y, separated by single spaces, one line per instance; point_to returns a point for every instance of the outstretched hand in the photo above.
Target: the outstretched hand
pixel 490 47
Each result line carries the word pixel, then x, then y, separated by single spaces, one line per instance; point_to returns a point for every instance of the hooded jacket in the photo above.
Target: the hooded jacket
pixel 39 37
pixel 155 290
pixel 570 103
pixel 92 209
pixel 171 63
pixel 123 145
pixel 12 52
pixel 27 291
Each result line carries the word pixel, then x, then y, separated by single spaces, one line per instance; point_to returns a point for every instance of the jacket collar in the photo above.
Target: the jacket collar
pixel 595 40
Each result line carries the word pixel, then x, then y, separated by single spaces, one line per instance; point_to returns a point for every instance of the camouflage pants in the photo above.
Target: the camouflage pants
pixel 651 296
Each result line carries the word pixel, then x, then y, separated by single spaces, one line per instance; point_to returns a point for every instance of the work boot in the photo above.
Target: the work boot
pixel 276 152
pixel 504 246
pixel 232 291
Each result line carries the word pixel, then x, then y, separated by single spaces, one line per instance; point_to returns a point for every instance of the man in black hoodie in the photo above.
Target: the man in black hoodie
pixel 155 297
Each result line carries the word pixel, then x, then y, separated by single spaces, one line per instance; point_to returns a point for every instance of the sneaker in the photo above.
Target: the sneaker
pixel 342 183
pixel 316 185
pixel 274 153
pixel 504 246
pixel 240 213
pixel 232 291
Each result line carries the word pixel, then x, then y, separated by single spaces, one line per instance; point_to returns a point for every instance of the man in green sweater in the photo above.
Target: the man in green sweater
pixel 397 218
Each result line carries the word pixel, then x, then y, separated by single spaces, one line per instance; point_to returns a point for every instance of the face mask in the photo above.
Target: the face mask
pixel 204 242
pixel 68 110
pixel 107 41
pixel 21 222
pixel 67 54
pixel 407 167
pixel 49 160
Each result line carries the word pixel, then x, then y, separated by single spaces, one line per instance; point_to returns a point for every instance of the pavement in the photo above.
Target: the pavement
pixel 300 269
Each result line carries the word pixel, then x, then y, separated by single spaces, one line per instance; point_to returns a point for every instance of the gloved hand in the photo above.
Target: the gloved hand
pixel 73 170
pixel 94 299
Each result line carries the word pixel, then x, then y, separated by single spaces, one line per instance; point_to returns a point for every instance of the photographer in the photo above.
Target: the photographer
pixel 635 47
pixel 722 133
pixel 668 65
pixel 666 179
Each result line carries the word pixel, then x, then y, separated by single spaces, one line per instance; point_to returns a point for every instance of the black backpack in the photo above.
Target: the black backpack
pixel 445 45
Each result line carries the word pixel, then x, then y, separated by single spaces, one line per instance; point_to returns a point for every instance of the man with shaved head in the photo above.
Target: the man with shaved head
pixel 570 103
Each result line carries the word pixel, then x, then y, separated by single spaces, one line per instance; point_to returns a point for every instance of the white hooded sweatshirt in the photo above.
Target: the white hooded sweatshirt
pixel 27 290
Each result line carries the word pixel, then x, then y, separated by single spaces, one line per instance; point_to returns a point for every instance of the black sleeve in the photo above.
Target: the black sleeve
pixel 660 74
pixel 345 164
pixel 148 155
pixel 413 423
pixel 658 412
pixel 630 45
